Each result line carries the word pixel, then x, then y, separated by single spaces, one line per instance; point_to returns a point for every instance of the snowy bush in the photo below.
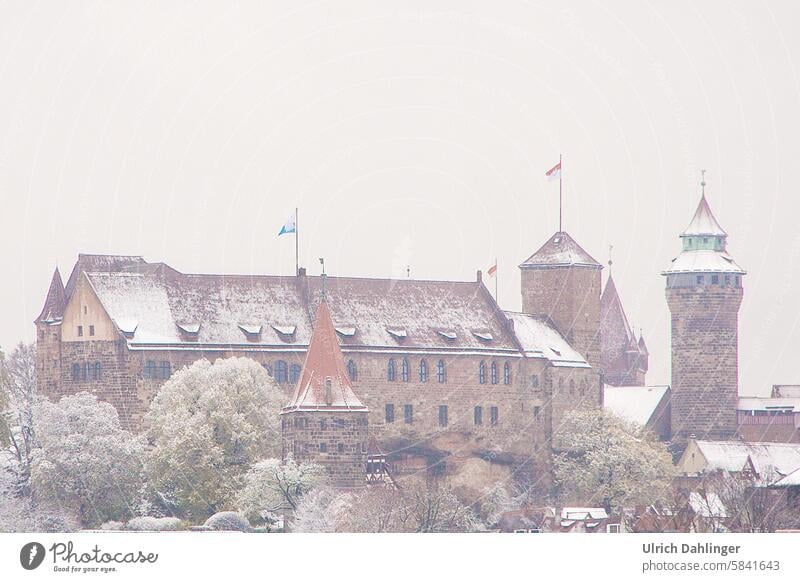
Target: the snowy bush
pixel 210 422
pixel 112 526
pixel 227 521
pixel 321 511
pixel 85 460
pixel 275 485
pixel 148 523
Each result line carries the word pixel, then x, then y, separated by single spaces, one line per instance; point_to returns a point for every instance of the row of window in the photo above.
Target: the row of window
pixel 408 415
pixel 299 448
pixel 493 371
pixel 701 280
pixel 81 372
pixel 80 330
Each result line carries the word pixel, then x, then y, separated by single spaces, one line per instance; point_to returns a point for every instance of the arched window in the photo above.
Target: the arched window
pixel 391 371
pixel 281 373
pixel 535 381
pixel 441 373
pixel 352 371
pixel 423 370
pixel 482 372
pixel 494 372
pixel 404 370
pixel 507 373
pixel 294 373
pixel 98 371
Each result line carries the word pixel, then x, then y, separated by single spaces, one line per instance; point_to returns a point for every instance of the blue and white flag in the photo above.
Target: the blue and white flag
pixel 289 226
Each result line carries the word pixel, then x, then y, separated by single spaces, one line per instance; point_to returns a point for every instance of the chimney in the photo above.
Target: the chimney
pixel 328 391
pixel 301 271
pixel 480 276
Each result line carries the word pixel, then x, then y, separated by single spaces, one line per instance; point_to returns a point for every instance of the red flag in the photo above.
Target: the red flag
pixel 492 270
pixel 554 173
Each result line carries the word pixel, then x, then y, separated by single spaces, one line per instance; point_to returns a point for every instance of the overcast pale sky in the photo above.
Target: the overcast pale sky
pixel 408 133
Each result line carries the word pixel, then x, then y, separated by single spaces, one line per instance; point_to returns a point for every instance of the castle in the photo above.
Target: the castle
pixel 435 371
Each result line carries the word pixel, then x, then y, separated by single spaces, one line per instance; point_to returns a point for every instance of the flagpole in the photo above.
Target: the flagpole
pixel 560 177
pixel 296 244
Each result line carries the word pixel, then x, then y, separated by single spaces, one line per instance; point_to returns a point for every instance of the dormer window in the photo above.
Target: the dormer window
pixel 448 334
pixel 397 333
pixel 189 331
pixel 285 331
pixel 483 335
pixel 346 331
pixel 127 327
pixel 251 331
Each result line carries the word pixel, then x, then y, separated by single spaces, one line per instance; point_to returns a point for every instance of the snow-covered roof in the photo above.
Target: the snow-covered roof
pixel 783 458
pixel 750 403
pixel 708 505
pixel 560 250
pixel 791 480
pixel 583 513
pixel 633 403
pixel 539 340
pixel 703 222
pixel 703 261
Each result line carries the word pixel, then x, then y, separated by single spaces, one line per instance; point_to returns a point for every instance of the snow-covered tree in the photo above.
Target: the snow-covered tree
pixel 377 510
pixel 85 460
pixel 322 511
pixel 606 461
pixel 277 486
pixel 18 397
pixel 433 507
pixel 209 423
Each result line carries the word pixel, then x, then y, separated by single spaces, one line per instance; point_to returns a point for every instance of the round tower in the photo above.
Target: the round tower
pixel 704 292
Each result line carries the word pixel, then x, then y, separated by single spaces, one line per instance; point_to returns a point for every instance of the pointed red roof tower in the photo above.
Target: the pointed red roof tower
pixel 55 301
pixel 622 361
pixel 325 422
pixel 324 382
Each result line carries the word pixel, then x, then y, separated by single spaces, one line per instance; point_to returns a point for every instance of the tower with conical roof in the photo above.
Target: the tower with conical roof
pixel 561 282
pixel 704 292
pixel 623 358
pixel 325 421
pixel 48 337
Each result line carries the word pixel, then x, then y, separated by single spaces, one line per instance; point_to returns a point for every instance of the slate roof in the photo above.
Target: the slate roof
pixel 559 251
pixel 703 222
pixel 324 383
pixel 635 404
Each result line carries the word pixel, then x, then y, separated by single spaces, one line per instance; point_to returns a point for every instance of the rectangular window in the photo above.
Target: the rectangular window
pixel 715 279
pixel 76 372
pixel 80 331
pixel 323 447
pixel 164 370
pixel 493 415
pixel 536 410
pixel 408 414
pixel 390 413
pixel 443 415
pixel 534 381
pixel 478 415
pixel 700 279
pixel 91 330
pixel 150 370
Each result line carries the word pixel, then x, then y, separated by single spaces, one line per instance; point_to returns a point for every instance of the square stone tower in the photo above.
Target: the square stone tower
pixel 561 282
pixel 704 292
pixel 325 422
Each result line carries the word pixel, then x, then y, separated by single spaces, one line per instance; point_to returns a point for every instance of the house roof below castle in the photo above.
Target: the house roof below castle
pixel 635 404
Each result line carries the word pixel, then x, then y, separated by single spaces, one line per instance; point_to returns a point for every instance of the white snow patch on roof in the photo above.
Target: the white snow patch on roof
pixel 451 335
pixel 539 340
pixel 704 261
pixel 251 328
pixel 732 455
pixel 484 335
pixel 633 403
pixel 756 403
pixel 191 328
pixel 346 331
pixel 284 329
pixel 583 513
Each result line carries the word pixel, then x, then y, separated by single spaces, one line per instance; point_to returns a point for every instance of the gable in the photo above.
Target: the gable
pixel 85 310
